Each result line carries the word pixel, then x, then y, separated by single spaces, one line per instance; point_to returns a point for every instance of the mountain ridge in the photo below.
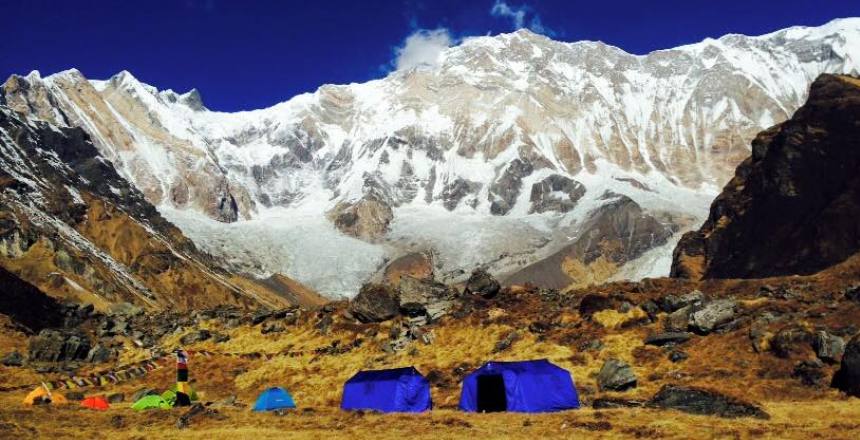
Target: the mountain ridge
pixel 491 124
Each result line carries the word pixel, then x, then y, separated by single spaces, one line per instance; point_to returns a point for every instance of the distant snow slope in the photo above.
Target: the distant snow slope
pixel 483 157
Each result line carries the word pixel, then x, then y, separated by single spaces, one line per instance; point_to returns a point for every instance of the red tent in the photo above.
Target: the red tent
pixel 98 403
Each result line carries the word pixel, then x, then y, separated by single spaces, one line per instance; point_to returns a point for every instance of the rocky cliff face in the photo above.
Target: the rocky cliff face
pixel 793 205
pixel 514 130
pixel 71 226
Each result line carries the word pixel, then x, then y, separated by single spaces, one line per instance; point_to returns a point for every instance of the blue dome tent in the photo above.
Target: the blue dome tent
pixel 273 399
pixel 395 390
pixel 526 386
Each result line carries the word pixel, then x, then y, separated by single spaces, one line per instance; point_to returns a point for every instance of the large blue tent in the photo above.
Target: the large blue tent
pixel 395 390
pixel 526 386
pixel 273 399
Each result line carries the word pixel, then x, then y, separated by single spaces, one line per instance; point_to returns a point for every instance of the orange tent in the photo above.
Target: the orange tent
pixel 43 395
pixel 98 403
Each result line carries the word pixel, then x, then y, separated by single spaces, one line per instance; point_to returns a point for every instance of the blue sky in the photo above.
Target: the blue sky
pixel 251 54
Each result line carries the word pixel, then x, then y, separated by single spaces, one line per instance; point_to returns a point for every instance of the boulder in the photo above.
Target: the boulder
pixel 195 336
pixel 116 398
pixel 616 375
pixel 375 303
pixel 670 303
pixel 55 346
pixel 702 401
pixel 847 378
pixel 712 315
pixel 679 320
pixel 13 359
pixel 790 341
pixel 811 373
pixel 220 337
pixel 829 348
pixel 483 284
pixel 667 338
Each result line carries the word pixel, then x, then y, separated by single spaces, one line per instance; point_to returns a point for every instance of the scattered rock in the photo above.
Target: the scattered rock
pixel 706 402
pixel 667 338
pixel 810 373
pixel 483 284
pixel 847 378
pixel 195 336
pixel 506 342
pixel 678 356
pixel 219 338
pixel 651 309
pixel 616 375
pixel 671 303
pixel 260 316
pixel 712 315
pixel 271 327
pixel 679 320
pixel 829 348
pixel 375 303
pixel 117 422
pixel 612 403
pixel 74 396
pixel 790 341
pixel 13 359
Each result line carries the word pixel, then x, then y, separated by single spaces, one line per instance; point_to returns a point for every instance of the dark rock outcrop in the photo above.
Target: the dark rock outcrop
pixel 701 401
pixel 555 193
pixel 847 378
pixel 800 189
pixel 56 346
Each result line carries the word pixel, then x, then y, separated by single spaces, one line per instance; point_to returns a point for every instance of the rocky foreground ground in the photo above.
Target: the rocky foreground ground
pixel 670 358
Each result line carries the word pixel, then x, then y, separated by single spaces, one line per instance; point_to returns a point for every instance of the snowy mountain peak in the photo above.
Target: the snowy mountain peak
pixel 508 134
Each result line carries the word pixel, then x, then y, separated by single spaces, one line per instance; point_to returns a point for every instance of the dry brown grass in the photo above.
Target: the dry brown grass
pixel 797 420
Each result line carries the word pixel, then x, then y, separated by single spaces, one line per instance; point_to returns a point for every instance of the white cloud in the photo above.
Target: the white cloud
pixel 519 17
pixel 422 49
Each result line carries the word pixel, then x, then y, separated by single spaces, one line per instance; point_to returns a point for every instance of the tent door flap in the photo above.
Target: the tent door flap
pixel 491 393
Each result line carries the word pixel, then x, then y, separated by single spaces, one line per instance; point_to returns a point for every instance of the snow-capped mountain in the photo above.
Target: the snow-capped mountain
pixel 511 151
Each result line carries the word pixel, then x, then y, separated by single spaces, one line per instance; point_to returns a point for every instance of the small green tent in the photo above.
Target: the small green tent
pixel 151 402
